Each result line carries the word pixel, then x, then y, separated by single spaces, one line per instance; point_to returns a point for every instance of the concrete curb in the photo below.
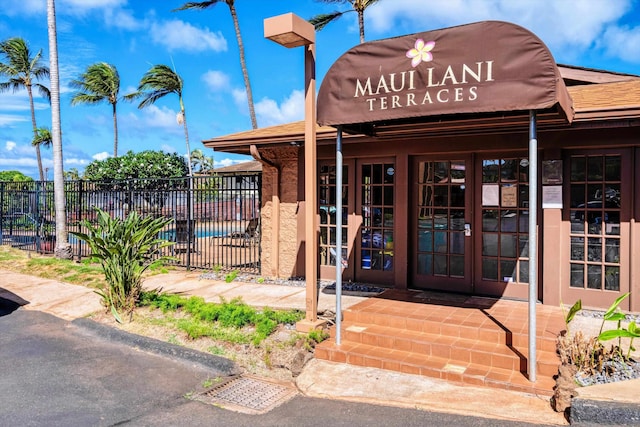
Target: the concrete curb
pixel 221 366
pixel 591 411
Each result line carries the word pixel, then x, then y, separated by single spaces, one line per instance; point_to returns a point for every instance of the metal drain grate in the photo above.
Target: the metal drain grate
pixel 247 395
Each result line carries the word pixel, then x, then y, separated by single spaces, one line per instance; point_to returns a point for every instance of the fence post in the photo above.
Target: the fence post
pixel 80 185
pixel 2 213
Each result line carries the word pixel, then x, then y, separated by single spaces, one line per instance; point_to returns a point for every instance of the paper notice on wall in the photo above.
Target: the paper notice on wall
pixel 490 195
pixel 552 197
pixel 509 196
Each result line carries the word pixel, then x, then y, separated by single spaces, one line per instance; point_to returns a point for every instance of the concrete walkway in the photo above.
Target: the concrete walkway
pixel 319 378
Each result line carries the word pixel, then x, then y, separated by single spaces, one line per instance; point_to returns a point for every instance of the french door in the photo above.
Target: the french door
pixel 441 224
pixel 469 224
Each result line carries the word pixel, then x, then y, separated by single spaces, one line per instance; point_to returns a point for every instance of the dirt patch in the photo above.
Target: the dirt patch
pixel 281 356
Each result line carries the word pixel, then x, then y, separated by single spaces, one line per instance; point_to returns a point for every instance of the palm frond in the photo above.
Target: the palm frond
pixel 101 80
pixel 86 98
pixel 42 137
pixel 19 65
pixel 198 5
pixel 320 21
pixel 43 91
pixel 151 97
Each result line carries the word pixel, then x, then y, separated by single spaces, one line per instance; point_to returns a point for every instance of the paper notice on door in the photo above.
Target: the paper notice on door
pixel 509 196
pixel 490 195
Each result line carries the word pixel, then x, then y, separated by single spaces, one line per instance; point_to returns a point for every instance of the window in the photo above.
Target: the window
pixel 595 183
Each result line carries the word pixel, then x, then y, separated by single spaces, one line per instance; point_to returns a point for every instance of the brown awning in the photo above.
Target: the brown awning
pixel 486 67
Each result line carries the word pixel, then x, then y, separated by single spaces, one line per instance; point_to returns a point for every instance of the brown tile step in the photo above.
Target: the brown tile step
pixel 433 367
pixel 453 348
pixel 471 327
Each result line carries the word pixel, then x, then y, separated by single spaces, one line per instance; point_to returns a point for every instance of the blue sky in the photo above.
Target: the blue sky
pixel 133 35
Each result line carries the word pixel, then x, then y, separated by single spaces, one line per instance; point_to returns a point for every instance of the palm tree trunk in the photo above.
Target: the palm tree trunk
pixel 243 65
pixel 186 138
pixel 35 131
pixel 63 248
pixel 115 131
pixel 361 24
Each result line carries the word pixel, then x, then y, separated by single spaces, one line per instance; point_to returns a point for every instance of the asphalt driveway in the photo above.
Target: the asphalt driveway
pixel 59 373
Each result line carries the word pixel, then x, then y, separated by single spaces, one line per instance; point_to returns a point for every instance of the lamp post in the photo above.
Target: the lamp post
pixel 290 30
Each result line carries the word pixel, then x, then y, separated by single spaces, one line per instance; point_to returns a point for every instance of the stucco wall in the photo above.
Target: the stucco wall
pixel 289 244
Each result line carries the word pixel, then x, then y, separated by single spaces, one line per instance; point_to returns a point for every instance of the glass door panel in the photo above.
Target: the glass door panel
pixel 377 198
pixel 327 243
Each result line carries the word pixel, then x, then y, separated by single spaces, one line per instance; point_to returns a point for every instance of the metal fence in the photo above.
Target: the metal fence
pixel 215 219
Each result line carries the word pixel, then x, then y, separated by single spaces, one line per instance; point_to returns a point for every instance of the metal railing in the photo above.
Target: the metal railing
pixel 215 218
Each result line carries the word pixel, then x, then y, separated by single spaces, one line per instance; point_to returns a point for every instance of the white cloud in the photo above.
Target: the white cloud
pixel 239 96
pixel 92 4
pixel 623 42
pixel 10 119
pixel 180 35
pixel 26 7
pixel 154 122
pixel 101 156
pixel 82 162
pixel 291 109
pixel 24 161
pixel 224 162
pixel 122 18
pixel 19 101
pixel 167 148
pixel 159 117
pixel 216 80
pixel 10 145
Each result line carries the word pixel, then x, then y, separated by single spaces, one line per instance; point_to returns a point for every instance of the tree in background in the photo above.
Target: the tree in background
pixel 200 5
pixel 143 177
pixel 14 176
pixel 156 83
pixel 358 6
pixel 100 83
pixel 43 137
pixel 23 70
pixel 147 164
pixel 201 163
pixel 71 175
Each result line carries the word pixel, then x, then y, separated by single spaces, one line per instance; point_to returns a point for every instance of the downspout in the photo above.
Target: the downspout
pixel 275 202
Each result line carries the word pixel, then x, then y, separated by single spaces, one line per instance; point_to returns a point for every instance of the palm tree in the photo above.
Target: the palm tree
pixel 43 137
pixel 200 5
pixel 200 162
pixel 72 174
pixel 63 248
pixel 156 83
pixel 100 83
pixel 22 70
pixel 359 6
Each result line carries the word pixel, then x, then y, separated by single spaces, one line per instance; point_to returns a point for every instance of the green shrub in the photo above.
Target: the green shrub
pixel 126 249
pixel 236 313
pixel 222 321
pixel 231 276
pixel 264 328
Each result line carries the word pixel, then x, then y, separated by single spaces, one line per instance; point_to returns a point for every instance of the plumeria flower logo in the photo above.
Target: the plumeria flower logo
pixel 421 52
